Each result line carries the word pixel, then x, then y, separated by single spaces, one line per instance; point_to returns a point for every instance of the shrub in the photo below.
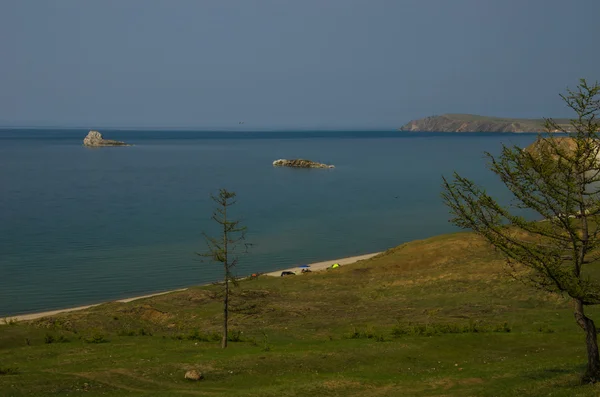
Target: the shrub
pixel 131 332
pixel 10 321
pixel 98 338
pixel 202 337
pixel 502 328
pixel 430 329
pixel 544 328
pixel 49 338
pixel 367 333
pixel 266 345
pixel 235 336
pixel 9 370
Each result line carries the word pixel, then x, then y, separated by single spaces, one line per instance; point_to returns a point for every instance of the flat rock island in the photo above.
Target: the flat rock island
pixel 95 139
pixel 300 163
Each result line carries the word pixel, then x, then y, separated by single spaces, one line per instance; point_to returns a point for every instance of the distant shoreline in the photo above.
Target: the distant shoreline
pixel 317 266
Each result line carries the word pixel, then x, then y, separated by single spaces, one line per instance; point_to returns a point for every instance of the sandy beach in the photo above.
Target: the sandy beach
pixel 318 266
pixel 33 316
pixel 315 267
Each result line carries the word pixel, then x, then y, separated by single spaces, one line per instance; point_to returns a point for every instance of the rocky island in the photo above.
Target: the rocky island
pixel 300 163
pixel 95 139
pixel 475 123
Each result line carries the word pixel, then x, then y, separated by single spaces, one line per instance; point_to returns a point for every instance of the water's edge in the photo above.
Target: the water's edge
pixel 315 267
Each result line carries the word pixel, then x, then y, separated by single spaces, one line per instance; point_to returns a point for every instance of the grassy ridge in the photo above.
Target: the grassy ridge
pixel 431 317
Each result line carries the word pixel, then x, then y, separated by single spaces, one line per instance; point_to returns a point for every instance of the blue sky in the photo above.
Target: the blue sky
pixel 289 64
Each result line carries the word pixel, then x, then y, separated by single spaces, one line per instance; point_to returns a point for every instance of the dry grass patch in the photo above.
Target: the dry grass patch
pixel 148 313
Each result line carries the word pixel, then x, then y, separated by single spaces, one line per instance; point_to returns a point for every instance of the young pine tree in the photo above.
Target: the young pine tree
pixel 224 248
pixel 558 177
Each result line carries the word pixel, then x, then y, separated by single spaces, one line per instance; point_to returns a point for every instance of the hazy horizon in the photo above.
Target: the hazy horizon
pixel 311 65
pixel 190 128
pixel 238 128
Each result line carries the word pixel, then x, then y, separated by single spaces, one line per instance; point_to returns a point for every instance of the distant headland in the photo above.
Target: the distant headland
pixel 475 123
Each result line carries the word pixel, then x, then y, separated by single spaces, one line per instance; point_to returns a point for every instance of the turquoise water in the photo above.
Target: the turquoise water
pixel 80 225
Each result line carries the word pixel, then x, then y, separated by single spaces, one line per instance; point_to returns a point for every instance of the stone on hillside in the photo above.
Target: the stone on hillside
pixel 194 375
pixel 95 139
pixel 300 163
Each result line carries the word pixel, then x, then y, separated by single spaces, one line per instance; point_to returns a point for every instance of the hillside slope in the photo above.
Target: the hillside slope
pixel 435 317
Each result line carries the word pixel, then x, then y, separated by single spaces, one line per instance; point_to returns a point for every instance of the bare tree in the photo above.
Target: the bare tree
pixel 224 248
pixel 558 177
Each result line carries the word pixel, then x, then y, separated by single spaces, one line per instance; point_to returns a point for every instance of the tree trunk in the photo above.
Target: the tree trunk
pixel 592 373
pixel 226 312
pixel 226 268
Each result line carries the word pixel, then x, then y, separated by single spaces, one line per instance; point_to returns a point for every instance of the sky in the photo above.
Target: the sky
pixel 302 64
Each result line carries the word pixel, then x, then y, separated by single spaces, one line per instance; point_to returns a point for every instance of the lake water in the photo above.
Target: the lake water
pixel 81 225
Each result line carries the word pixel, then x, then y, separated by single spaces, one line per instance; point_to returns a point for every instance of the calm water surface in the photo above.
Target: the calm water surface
pixel 80 225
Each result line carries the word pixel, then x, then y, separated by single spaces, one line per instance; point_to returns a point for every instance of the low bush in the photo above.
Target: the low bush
pixel 49 338
pixel 430 329
pixel 235 336
pixel 10 321
pixel 9 370
pixel 131 332
pixel 98 338
pixel 200 336
pixel 544 328
pixel 367 333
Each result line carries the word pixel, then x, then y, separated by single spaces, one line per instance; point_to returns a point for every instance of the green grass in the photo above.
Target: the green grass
pixel 436 317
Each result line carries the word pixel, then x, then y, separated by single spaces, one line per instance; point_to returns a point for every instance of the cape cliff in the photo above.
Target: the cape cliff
pixel 475 123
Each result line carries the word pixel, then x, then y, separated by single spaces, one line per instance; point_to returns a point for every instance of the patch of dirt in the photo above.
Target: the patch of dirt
pixel 194 296
pixel 107 378
pixel 423 280
pixel 148 313
pixel 342 384
pixel 100 377
pixel 448 383
pixel 54 322
pixel 253 293
pixel 470 381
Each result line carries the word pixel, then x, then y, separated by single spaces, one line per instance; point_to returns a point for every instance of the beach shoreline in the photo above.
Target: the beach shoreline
pixel 317 266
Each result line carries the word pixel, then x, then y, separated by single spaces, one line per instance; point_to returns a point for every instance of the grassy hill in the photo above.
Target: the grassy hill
pixel 437 317
pixel 476 123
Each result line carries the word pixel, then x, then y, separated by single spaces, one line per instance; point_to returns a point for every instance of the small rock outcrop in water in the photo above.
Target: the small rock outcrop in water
pixel 94 138
pixel 300 163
